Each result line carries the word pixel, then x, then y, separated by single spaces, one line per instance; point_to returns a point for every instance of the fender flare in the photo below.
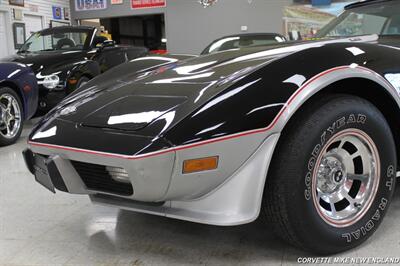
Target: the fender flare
pixel 321 81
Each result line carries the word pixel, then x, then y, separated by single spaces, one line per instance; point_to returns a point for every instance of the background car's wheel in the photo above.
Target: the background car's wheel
pixel 333 176
pixel 11 122
pixel 82 81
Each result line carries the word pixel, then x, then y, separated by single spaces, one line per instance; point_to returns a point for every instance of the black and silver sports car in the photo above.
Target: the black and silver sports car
pixel 305 135
pixel 65 58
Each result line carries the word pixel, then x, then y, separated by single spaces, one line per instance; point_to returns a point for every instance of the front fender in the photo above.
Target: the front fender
pixel 23 80
pixel 265 100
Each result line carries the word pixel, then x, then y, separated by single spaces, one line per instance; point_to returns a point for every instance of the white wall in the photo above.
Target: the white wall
pixel 44 10
pixel 190 27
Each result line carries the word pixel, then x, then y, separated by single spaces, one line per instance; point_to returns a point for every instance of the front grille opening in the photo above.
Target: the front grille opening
pixel 102 178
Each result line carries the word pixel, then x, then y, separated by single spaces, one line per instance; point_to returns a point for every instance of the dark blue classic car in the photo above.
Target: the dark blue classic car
pixel 18 100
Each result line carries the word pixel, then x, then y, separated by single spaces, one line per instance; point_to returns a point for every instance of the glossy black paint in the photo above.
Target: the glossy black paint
pixel 72 65
pixel 247 38
pixel 22 79
pixel 220 95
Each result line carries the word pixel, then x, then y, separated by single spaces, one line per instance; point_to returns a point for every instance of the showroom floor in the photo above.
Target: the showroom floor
pixel 37 227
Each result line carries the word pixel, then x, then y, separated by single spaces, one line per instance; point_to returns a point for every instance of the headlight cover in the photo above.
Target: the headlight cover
pixel 50 82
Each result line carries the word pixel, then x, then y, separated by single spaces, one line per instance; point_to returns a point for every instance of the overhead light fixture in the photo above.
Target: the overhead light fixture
pixel 207 3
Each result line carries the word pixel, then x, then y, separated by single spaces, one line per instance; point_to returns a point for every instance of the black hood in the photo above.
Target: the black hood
pixel 46 62
pixel 180 87
pixel 151 102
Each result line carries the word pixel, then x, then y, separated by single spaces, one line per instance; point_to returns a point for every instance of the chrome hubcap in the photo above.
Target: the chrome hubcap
pixel 346 178
pixel 10 116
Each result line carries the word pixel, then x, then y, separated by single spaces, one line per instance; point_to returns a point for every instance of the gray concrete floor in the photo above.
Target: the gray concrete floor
pixel 37 228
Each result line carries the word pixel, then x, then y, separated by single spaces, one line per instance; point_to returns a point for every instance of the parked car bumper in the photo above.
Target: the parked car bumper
pixel 48 99
pixel 230 195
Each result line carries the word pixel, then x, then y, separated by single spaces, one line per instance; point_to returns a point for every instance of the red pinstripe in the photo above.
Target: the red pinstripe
pixel 201 143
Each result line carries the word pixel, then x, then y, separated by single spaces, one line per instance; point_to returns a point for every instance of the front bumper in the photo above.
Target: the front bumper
pixel 230 195
pixel 49 99
pixel 151 182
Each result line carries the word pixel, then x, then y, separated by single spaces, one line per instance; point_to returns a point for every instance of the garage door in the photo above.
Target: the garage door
pixel 32 24
pixel 4 49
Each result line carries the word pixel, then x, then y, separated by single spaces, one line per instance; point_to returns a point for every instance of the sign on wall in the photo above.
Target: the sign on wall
pixel 138 4
pixel 89 5
pixel 19 34
pixel 17 14
pixel 66 13
pixel 57 12
pixel 117 2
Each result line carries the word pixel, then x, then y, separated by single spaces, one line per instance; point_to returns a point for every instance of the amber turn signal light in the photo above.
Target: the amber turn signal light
pixel 200 165
pixel 73 81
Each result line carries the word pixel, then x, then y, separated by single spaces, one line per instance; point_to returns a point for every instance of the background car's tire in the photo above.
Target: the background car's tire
pixel 311 172
pixel 82 81
pixel 11 116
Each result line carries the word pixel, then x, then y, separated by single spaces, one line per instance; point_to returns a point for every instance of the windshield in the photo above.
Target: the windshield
pixel 57 39
pixel 381 19
pixel 235 42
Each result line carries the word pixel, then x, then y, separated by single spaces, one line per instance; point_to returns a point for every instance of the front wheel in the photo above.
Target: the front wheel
pixel 11 122
pixel 333 176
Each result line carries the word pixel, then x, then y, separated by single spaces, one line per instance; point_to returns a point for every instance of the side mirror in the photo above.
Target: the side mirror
pixel 107 43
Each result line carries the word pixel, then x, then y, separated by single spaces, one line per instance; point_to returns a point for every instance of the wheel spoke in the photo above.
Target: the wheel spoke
pixel 346 160
pixel 9 105
pixel 8 129
pixel 355 155
pixel 349 199
pixel 362 178
pixel 333 209
pixel 341 144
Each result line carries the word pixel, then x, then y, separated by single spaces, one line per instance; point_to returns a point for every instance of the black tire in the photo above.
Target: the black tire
pixel 288 203
pixel 82 81
pixel 5 141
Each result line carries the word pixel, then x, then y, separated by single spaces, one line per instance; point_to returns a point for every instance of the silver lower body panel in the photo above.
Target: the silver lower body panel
pixel 236 201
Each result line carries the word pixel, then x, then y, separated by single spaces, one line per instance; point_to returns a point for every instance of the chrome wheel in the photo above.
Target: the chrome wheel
pixel 10 116
pixel 346 178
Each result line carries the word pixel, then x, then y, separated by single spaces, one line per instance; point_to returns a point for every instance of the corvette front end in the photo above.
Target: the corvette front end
pixel 303 134
pixel 126 143
pixel 155 182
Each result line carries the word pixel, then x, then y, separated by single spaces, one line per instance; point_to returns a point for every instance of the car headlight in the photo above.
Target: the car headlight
pixel 50 82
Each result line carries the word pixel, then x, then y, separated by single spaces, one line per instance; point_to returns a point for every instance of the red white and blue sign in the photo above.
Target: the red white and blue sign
pixel 139 4
pixel 90 5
